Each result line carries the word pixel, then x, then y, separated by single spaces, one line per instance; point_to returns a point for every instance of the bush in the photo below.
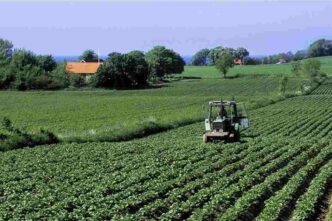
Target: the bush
pixel 283 84
pixel 14 138
pixel 311 69
pixel 77 80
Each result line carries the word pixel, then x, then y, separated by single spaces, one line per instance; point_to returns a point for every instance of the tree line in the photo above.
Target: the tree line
pixel 210 56
pixel 23 70
pixel 319 48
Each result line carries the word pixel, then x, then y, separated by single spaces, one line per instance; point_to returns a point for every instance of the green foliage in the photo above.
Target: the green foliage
pixel 61 79
pixel 283 84
pixel 27 71
pixel 14 138
pixel 311 67
pixel 300 55
pixel 251 61
pixel 282 199
pixel 122 71
pixel 241 53
pixel 163 61
pixel 6 50
pixel 218 52
pixel 46 62
pixel 224 63
pixel 274 59
pixel 77 80
pixel 201 58
pixel 305 206
pixel 321 47
pixel 89 56
pixel 296 68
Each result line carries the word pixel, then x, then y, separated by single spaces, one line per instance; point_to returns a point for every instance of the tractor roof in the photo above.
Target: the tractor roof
pixel 219 103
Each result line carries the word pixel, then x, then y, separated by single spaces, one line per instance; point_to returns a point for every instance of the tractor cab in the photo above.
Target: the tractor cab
pixel 224 121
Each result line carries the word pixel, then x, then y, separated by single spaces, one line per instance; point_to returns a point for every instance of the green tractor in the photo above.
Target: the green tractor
pixel 224 121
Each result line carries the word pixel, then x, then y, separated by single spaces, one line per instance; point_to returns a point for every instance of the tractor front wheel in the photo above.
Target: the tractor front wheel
pixel 205 138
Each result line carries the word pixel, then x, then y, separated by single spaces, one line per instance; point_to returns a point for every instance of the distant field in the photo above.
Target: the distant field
pixel 274 69
pixel 113 115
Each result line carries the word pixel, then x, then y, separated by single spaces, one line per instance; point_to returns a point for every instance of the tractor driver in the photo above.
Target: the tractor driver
pixel 222 112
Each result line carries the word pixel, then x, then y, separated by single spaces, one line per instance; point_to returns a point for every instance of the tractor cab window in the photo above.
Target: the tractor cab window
pixel 222 112
pixel 241 110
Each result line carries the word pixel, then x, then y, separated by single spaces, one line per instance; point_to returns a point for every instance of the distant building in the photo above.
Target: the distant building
pixel 82 67
pixel 238 61
pixel 282 61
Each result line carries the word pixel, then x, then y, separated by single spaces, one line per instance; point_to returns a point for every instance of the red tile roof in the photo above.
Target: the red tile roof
pixel 82 67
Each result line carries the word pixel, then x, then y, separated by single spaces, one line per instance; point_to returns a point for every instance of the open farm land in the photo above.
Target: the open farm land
pixel 119 115
pixel 281 170
pixel 166 110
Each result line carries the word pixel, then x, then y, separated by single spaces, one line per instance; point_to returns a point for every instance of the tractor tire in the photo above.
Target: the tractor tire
pixel 231 138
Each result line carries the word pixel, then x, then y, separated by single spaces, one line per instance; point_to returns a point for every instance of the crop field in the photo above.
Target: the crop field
pixel 282 170
pixel 119 115
pixel 325 88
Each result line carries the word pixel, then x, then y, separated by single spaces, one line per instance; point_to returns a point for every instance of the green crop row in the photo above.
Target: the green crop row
pixel 257 185
pixel 275 206
pixel 307 203
pixel 208 180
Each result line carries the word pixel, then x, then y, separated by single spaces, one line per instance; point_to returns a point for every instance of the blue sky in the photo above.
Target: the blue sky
pixel 68 28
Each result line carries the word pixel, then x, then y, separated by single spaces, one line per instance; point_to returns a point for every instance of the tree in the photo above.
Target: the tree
pixel 23 59
pixel 23 69
pixel 28 71
pixel 89 56
pixel 6 50
pixel 201 57
pixel 121 71
pixel 214 54
pixel 251 61
pixel 46 62
pixel 311 68
pixel 138 68
pixel 296 68
pixel 163 61
pixel 300 55
pixel 224 63
pixel 217 52
pixel 113 54
pixel 241 53
pixel 321 47
pixel 283 84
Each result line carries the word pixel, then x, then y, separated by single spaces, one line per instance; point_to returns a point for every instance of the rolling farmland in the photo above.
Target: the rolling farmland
pixel 281 171
pixel 170 110
pixel 119 115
